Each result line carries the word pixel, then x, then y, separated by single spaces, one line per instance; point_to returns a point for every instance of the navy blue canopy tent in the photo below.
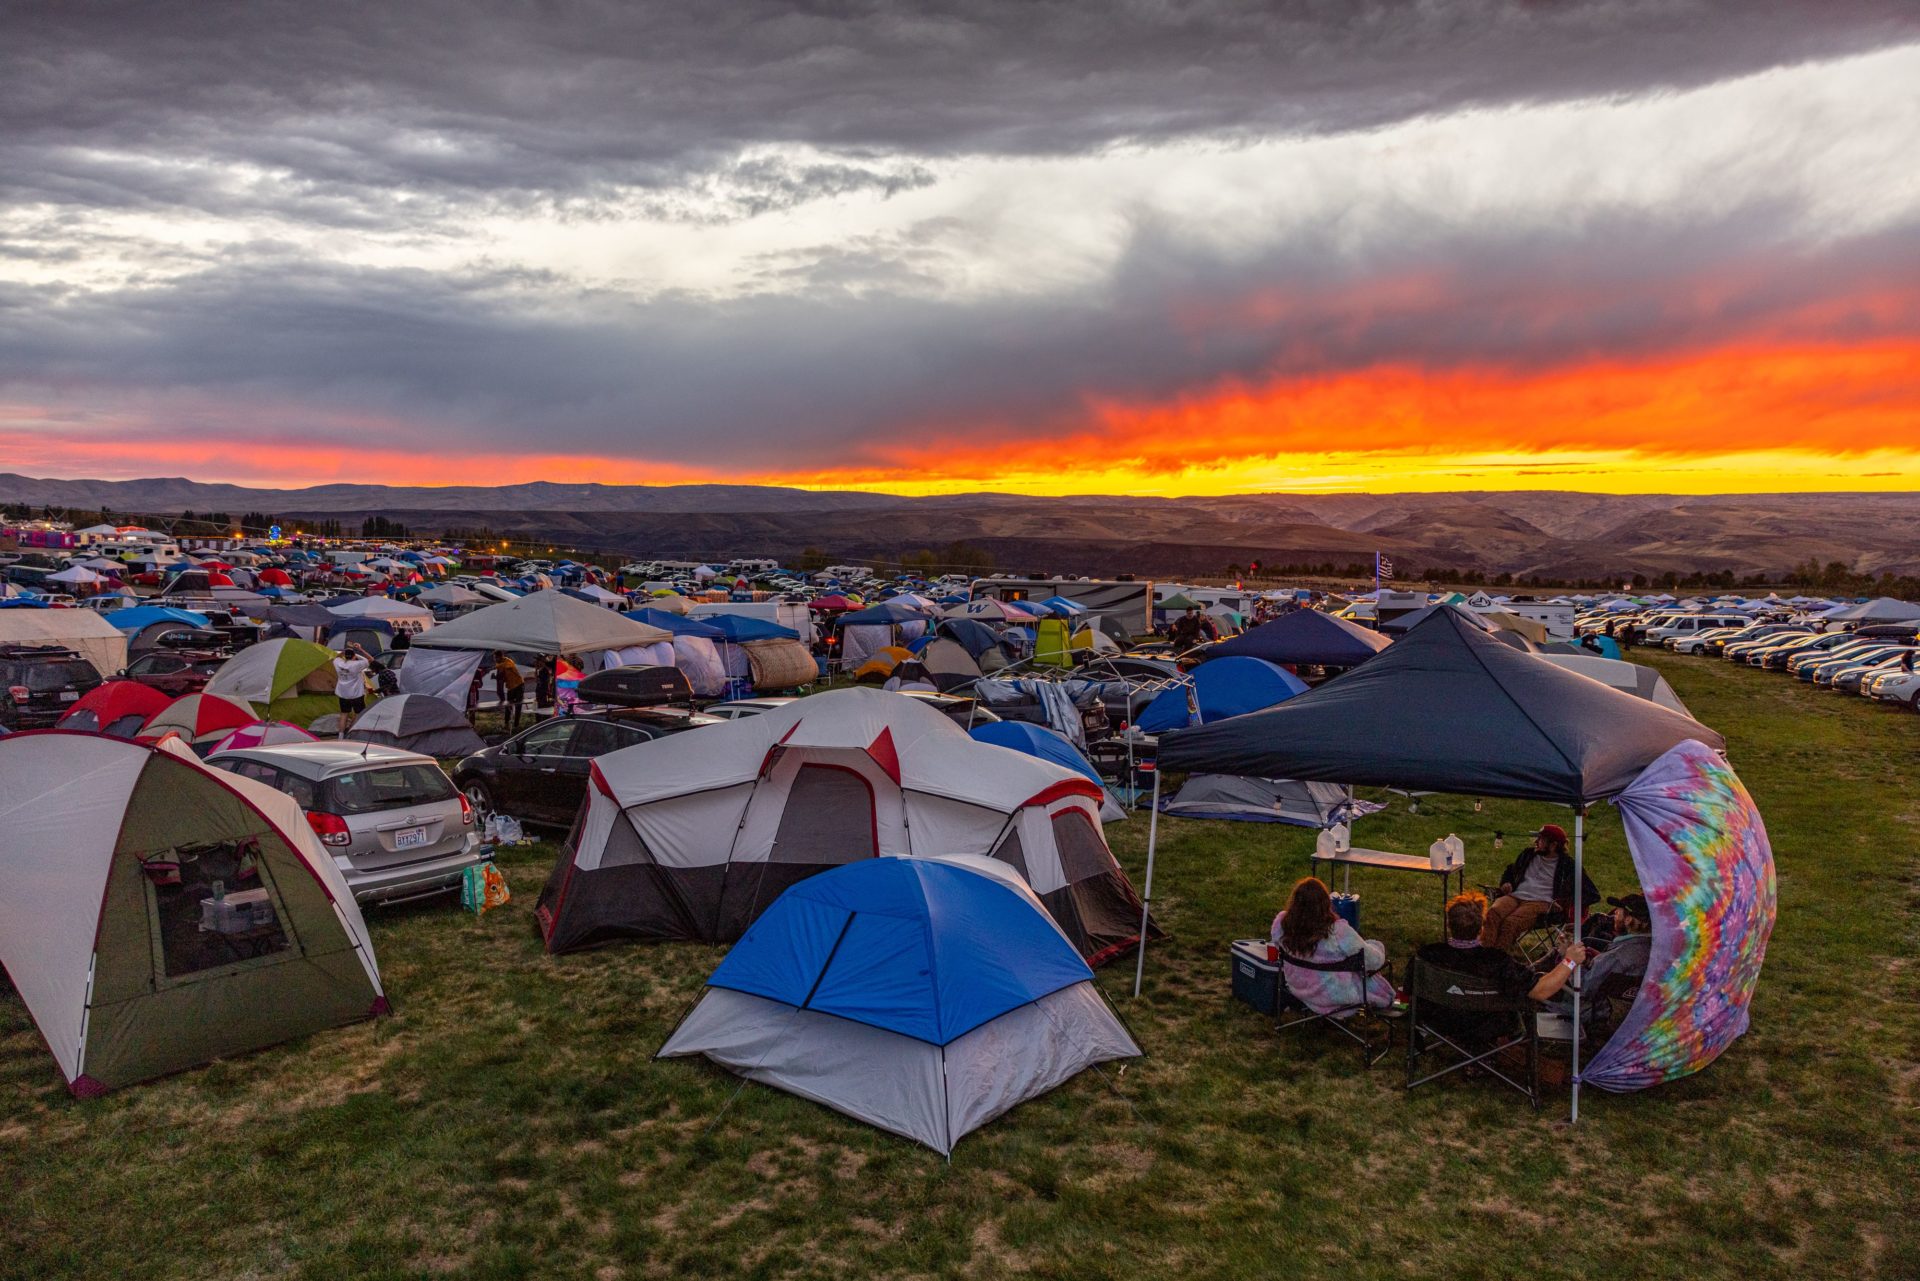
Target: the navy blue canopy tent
pixel 1449 709
pixel 1304 636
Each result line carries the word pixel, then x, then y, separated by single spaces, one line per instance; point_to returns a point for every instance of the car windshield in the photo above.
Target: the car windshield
pixel 386 787
pixel 45 678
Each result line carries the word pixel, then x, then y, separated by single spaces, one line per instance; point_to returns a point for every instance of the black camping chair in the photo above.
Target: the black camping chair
pixel 1341 1018
pixel 1431 988
pixel 1542 938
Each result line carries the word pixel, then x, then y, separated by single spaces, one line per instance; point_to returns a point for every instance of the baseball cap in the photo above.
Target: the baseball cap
pixel 1554 830
pixel 1636 904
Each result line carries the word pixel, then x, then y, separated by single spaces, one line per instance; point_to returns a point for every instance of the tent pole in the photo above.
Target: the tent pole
pixel 1146 899
pixel 1579 877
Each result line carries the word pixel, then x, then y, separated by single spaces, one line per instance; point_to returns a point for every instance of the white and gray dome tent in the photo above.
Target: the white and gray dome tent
pixel 692 836
pixel 156 914
pixel 920 995
pixel 419 723
pixel 1266 800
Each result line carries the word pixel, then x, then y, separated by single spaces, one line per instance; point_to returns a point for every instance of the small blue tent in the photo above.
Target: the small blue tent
pixel 134 618
pixel 678 624
pixel 923 996
pixel 1035 740
pixel 739 628
pixel 1225 687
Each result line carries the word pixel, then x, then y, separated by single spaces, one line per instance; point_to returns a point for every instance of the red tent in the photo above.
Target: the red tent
pixel 276 578
pixel 217 579
pixel 118 708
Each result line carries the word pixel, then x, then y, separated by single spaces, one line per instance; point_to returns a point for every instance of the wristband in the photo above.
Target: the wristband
pixel 1568 962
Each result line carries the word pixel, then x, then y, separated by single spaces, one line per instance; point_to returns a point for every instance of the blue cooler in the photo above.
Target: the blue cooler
pixel 1347 908
pixel 1256 980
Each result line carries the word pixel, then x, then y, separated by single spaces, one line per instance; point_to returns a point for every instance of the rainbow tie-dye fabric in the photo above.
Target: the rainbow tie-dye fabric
pixel 1706 868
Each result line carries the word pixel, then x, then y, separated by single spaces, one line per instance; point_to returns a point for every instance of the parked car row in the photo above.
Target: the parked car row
pixel 1875 661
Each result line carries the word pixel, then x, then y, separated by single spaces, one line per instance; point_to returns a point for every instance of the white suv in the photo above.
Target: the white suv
pixel 1686 626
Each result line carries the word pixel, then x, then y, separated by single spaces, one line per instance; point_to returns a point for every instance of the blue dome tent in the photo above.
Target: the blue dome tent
pixel 923 996
pixel 1225 687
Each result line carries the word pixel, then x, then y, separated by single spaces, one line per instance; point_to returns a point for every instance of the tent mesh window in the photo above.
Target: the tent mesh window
pixel 624 845
pixel 829 818
pixel 1011 852
pixel 1082 853
pixel 212 906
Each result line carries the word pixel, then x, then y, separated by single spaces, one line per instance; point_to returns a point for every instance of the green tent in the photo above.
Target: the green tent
pixel 1051 644
pixel 285 680
pixel 1178 601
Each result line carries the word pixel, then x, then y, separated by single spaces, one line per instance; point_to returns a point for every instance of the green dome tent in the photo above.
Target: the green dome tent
pixel 285 680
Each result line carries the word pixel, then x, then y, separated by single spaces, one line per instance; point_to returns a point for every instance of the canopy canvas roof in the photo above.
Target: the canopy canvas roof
pixel 1448 709
pixel 544 622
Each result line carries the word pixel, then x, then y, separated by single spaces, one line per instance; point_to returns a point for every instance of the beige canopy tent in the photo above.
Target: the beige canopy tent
pixel 83 631
pixel 544 622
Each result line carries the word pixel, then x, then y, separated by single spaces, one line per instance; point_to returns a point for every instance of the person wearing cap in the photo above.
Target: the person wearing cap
pixel 1626 957
pixel 1533 885
pixel 350 683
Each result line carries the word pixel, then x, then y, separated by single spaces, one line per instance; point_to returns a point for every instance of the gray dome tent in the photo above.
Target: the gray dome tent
pixel 419 723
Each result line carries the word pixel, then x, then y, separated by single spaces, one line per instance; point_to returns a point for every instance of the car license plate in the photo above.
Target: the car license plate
pixel 410 838
pixel 69 695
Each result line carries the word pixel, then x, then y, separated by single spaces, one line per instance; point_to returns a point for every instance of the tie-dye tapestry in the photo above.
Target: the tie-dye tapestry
pixel 1701 851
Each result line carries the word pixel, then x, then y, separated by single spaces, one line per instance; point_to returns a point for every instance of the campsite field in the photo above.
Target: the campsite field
pixel 509 1120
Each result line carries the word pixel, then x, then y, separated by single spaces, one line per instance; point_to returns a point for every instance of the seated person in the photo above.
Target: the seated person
pixel 1531 886
pixel 1308 929
pixel 1464 953
pixel 1625 957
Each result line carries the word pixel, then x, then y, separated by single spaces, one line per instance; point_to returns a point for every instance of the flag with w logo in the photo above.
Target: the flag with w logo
pixel 1382 567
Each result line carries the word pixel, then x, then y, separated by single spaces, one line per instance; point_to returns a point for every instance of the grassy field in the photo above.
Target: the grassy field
pixel 509 1120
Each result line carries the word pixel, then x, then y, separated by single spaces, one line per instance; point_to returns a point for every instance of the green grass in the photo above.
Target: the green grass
pixel 509 1120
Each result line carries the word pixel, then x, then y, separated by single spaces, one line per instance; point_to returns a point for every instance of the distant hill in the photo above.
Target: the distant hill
pixel 1551 534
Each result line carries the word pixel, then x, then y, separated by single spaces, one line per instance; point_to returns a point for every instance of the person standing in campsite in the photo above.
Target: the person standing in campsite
pixel 512 686
pixel 1533 885
pixel 1191 628
pixel 543 683
pixel 350 683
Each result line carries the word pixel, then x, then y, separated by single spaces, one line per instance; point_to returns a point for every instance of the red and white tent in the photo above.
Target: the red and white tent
pixel 693 836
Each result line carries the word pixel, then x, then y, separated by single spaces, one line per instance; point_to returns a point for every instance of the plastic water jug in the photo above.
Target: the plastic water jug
pixel 1448 852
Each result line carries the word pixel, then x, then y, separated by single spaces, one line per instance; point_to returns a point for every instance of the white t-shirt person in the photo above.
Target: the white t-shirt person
pixel 350 676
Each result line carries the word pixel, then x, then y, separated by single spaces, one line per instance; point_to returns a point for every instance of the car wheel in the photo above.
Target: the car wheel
pixel 1913 700
pixel 479 796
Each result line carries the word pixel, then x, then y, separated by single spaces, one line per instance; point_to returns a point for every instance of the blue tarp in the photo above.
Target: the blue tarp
pixel 1305 636
pixel 1063 607
pixel 925 949
pixel 135 617
pixel 739 627
pixel 1035 740
pixel 1225 687
pixel 678 624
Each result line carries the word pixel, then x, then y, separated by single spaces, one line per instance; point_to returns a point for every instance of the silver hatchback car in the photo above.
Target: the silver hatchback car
pixel 394 822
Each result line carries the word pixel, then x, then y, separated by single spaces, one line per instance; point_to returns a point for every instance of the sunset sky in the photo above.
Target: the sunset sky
pixel 1128 247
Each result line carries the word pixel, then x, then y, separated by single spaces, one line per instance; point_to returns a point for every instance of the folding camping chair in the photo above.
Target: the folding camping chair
pixel 1429 987
pixel 1341 1017
pixel 1542 938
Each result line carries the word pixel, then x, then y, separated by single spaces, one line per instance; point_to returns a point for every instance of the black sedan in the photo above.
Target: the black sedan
pixel 540 774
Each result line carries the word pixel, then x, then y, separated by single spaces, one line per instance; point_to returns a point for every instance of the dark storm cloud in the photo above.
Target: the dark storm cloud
pixel 770 382
pixel 382 114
